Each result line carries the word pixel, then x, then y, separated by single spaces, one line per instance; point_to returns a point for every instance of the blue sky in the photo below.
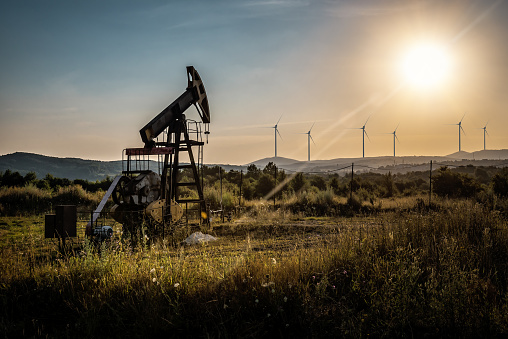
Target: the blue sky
pixel 80 78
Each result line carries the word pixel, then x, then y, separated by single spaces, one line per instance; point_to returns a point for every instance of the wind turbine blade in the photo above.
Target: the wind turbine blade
pixel 312 139
pixel 366 121
pixel 279 134
pixel 312 126
pixel 396 127
pixel 487 132
pixel 396 137
pixel 462 128
pixel 279 119
pixel 462 118
pixel 364 131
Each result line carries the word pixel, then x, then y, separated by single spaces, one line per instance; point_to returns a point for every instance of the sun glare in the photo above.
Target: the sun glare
pixel 426 66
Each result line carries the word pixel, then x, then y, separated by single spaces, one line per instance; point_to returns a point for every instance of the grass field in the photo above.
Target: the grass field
pixel 400 272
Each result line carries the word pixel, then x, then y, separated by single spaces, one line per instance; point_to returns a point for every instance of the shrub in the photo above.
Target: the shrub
pixel 453 185
pixel 75 195
pixel 24 200
pixel 500 183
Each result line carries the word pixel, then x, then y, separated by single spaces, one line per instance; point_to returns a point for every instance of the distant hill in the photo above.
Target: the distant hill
pixel 387 163
pixel 92 170
pixel 70 168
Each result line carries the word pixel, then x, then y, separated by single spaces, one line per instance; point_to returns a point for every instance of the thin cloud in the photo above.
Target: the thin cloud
pixel 280 3
pixel 359 9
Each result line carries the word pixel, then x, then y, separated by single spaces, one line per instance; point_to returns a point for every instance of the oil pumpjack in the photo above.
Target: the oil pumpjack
pixel 149 200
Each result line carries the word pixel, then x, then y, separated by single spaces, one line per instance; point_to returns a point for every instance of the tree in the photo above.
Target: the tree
pixel 319 182
pixel 30 178
pixel 500 183
pixel 334 185
pixel 388 185
pixel 248 189
pixel 453 185
pixel 264 185
pixel 12 179
pixel 253 171
pixel 270 168
pixel 298 182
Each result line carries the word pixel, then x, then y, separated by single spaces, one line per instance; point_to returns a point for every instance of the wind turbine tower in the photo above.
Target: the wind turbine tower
pixel 394 137
pixel 460 128
pixel 277 132
pixel 364 133
pixel 309 138
pixel 484 128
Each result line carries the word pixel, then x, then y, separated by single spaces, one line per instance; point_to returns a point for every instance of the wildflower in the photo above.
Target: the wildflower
pixel 152 270
pixel 345 272
pixel 154 280
pixel 273 290
pixel 333 286
pixel 256 301
pixel 313 277
pixel 268 315
pixel 274 262
pixel 176 285
pixel 285 299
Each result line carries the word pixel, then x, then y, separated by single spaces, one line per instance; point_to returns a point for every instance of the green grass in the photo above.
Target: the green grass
pixel 399 273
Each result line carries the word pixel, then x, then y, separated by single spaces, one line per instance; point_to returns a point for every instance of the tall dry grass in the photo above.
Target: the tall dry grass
pixel 404 273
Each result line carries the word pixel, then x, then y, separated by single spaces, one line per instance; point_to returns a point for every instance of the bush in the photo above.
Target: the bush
pixel 24 200
pixel 500 183
pixel 454 185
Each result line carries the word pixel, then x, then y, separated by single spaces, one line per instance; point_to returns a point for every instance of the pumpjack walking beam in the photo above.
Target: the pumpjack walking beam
pixel 195 94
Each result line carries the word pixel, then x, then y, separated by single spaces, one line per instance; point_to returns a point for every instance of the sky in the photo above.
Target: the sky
pixel 81 78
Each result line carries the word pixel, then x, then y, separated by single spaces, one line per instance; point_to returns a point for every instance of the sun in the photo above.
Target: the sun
pixel 426 66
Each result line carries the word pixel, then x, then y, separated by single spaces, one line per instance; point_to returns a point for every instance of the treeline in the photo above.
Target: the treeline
pixel 464 181
pixel 316 194
pixel 49 182
pixel 21 195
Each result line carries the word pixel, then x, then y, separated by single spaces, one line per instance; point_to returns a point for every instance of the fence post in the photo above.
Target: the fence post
pixel 351 189
pixel 430 183
pixel 275 176
pixel 241 183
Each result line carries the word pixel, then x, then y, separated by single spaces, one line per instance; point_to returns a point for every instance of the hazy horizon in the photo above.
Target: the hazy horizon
pixel 81 79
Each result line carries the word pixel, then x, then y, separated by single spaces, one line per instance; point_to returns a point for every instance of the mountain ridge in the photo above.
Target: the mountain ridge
pixel 92 170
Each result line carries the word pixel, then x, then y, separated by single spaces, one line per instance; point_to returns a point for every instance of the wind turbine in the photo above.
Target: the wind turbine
pixel 309 138
pixel 394 137
pixel 460 128
pixel 364 133
pixel 484 128
pixel 277 132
